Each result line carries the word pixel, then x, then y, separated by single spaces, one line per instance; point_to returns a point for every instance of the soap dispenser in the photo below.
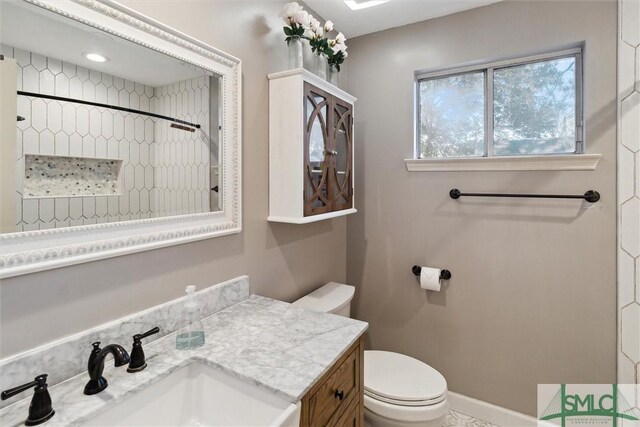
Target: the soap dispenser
pixel 191 332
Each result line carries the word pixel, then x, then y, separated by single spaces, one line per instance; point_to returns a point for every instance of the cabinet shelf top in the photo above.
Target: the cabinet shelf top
pixel 308 76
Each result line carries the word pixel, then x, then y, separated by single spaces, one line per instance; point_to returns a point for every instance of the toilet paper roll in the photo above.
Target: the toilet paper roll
pixel 430 278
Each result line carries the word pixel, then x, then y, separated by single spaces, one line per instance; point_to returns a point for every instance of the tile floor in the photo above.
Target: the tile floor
pixel 456 419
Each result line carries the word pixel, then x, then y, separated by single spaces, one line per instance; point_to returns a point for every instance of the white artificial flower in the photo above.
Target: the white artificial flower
pixel 290 9
pixel 328 26
pixel 313 35
pixel 316 28
pixel 302 17
pixel 338 47
pixel 340 38
pixel 288 12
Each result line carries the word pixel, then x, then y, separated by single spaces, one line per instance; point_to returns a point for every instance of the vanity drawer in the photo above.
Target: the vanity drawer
pixel 337 392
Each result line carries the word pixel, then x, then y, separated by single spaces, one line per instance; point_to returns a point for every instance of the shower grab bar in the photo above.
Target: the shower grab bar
pixel 111 107
pixel 590 196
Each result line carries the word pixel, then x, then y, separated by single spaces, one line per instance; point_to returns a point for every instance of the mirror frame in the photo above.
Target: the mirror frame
pixel 32 251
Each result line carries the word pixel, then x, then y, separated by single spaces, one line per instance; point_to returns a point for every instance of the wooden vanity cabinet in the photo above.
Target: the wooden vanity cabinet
pixel 310 148
pixel 337 399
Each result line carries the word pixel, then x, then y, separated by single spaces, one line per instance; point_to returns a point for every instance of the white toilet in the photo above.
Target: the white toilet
pixel 398 390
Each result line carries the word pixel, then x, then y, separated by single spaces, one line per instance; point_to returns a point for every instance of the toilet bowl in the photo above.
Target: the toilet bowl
pixel 398 390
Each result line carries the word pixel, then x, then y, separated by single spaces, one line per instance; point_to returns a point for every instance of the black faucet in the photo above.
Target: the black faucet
pixel 95 367
pixel 40 409
pixel 138 362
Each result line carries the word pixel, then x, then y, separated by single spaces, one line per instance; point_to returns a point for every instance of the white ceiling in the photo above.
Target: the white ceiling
pixel 35 30
pixel 393 13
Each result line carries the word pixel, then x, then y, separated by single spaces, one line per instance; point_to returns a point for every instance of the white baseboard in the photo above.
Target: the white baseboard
pixel 488 412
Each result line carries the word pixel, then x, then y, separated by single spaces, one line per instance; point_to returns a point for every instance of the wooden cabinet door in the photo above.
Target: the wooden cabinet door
pixel 336 393
pixel 351 417
pixel 317 108
pixel 328 152
pixel 341 148
pixel 337 399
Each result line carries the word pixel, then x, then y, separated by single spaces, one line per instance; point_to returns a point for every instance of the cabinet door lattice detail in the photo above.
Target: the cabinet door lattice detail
pixel 316 145
pixel 342 190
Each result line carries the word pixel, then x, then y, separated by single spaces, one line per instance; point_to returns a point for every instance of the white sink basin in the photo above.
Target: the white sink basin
pixel 198 395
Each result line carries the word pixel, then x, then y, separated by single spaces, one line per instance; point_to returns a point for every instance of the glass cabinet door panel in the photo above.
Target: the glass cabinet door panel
pixel 316 141
pixel 342 152
pixel 317 137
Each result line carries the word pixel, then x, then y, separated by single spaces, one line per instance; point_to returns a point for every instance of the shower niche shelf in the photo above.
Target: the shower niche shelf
pixel 62 176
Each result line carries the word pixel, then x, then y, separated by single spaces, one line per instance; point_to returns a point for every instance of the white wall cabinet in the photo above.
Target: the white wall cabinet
pixel 310 148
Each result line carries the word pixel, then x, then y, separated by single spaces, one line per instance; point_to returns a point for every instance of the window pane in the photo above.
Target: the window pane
pixel 452 116
pixel 535 108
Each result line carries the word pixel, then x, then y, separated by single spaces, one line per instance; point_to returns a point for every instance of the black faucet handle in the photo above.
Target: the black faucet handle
pixel 138 361
pixel 138 337
pixel 40 380
pixel 40 409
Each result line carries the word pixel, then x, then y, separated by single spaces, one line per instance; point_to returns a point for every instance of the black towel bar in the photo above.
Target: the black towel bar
pixel 590 196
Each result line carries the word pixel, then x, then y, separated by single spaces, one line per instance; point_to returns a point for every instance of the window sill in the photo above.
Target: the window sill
pixel 571 162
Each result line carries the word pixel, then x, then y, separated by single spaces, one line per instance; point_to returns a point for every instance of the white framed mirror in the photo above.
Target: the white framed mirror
pixel 118 135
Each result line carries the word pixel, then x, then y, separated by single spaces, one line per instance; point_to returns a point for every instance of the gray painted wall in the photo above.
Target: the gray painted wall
pixel 533 298
pixel 283 261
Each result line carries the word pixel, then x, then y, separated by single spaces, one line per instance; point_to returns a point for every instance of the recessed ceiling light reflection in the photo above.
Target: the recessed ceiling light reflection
pixel 95 57
pixel 357 5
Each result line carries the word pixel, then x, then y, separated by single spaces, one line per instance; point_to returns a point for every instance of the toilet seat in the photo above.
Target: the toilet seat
pixel 412 414
pixel 402 388
pixel 405 402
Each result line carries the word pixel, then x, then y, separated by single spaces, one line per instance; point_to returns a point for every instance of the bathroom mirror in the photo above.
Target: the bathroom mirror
pixel 118 134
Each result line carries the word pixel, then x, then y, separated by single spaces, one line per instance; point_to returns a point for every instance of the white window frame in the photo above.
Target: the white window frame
pixel 572 161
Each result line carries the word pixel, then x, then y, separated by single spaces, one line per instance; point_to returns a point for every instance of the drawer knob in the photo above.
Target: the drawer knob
pixel 339 394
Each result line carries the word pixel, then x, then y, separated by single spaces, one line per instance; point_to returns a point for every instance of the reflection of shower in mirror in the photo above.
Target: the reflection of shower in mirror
pixel 154 116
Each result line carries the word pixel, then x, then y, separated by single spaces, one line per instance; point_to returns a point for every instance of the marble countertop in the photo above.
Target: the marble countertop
pixel 276 346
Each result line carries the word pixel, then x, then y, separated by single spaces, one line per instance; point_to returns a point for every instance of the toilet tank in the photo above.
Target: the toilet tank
pixel 331 298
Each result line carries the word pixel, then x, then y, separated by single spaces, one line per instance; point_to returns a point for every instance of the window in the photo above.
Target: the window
pixel 530 106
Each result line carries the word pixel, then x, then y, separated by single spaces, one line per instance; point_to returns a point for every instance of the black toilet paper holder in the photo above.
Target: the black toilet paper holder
pixel 444 274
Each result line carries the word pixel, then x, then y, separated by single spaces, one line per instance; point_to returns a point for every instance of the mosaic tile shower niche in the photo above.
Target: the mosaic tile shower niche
pixel 61 176
pixel 133 166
